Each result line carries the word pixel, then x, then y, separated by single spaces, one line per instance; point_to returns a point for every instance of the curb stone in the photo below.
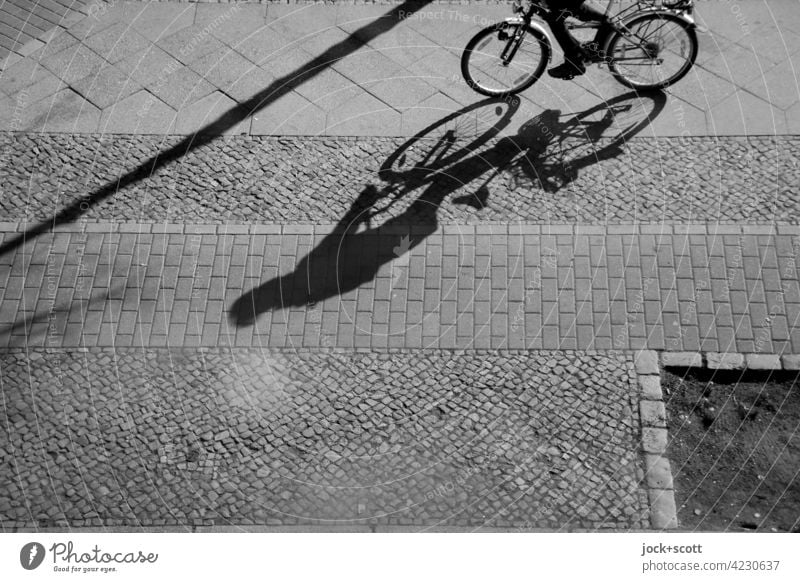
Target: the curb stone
pixel 725 361
pixel 646 362
pixel 651 387
pixel 654 438
pixel 653 413
pixel 762 362
pixel 791 362
pixel 682 359
pixel 659 475
pixel 663 512
pixel 729 361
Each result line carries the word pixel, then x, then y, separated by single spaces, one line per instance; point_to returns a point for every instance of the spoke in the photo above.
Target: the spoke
pixel 490 67
pixel 645 32
pixel 665 57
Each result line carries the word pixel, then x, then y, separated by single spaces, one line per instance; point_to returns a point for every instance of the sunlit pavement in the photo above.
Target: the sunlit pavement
pixel 270 265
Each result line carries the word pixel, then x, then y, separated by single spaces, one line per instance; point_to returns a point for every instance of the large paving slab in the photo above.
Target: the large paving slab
pixel 370 69
pixel 394 285
pixel 526 440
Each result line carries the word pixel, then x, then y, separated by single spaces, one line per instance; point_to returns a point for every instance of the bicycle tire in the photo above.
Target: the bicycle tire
pixel 637 22
pixel 470 71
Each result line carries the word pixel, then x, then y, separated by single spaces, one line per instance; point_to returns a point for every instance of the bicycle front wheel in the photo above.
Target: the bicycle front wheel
pixel 655 51
pixel 504 59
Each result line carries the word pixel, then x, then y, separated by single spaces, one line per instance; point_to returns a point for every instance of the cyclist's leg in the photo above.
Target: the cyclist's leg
pixel 573 53
pixel 556 20
pixel 587 12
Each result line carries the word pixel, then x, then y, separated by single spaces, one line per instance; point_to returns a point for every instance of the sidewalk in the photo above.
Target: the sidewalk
pixel 308 69
pixel 684 288
pixel 361 296
pixel 324 438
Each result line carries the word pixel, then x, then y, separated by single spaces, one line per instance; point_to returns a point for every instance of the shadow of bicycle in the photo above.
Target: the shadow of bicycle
pixel 461 151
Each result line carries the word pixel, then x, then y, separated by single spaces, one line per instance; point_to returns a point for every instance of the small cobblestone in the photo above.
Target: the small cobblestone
pixel 250 179
pixel 253 436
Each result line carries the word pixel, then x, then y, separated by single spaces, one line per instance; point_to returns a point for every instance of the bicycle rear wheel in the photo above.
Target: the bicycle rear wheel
pixel 483 66
pixel 655 51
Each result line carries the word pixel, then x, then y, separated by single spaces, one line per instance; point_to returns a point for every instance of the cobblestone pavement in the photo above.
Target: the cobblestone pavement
pixel 289 180
pixel 687 288
pixel 200 437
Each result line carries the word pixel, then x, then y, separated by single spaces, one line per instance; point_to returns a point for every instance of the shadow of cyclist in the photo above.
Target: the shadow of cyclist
pixel 547 151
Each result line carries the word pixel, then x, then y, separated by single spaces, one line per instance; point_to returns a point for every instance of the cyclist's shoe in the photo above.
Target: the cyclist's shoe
pixel 567 70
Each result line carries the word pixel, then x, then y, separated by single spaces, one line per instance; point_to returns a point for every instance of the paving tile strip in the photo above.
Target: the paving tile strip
pixel 320 180
pixel 680 288
pixel 242 437
pixel 25 25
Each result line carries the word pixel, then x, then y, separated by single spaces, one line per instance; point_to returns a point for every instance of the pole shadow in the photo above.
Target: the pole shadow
pixel 277 89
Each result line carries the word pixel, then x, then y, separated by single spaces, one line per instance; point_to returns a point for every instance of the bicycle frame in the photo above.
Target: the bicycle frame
pixel 683 8
pixel 648 45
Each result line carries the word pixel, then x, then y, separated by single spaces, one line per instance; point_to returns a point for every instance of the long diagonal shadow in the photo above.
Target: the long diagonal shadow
pixel 229 119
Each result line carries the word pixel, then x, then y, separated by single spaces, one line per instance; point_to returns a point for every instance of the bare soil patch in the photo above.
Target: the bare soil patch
pixel 735 449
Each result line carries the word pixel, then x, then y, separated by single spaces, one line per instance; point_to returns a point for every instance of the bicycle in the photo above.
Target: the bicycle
pixel 655 36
